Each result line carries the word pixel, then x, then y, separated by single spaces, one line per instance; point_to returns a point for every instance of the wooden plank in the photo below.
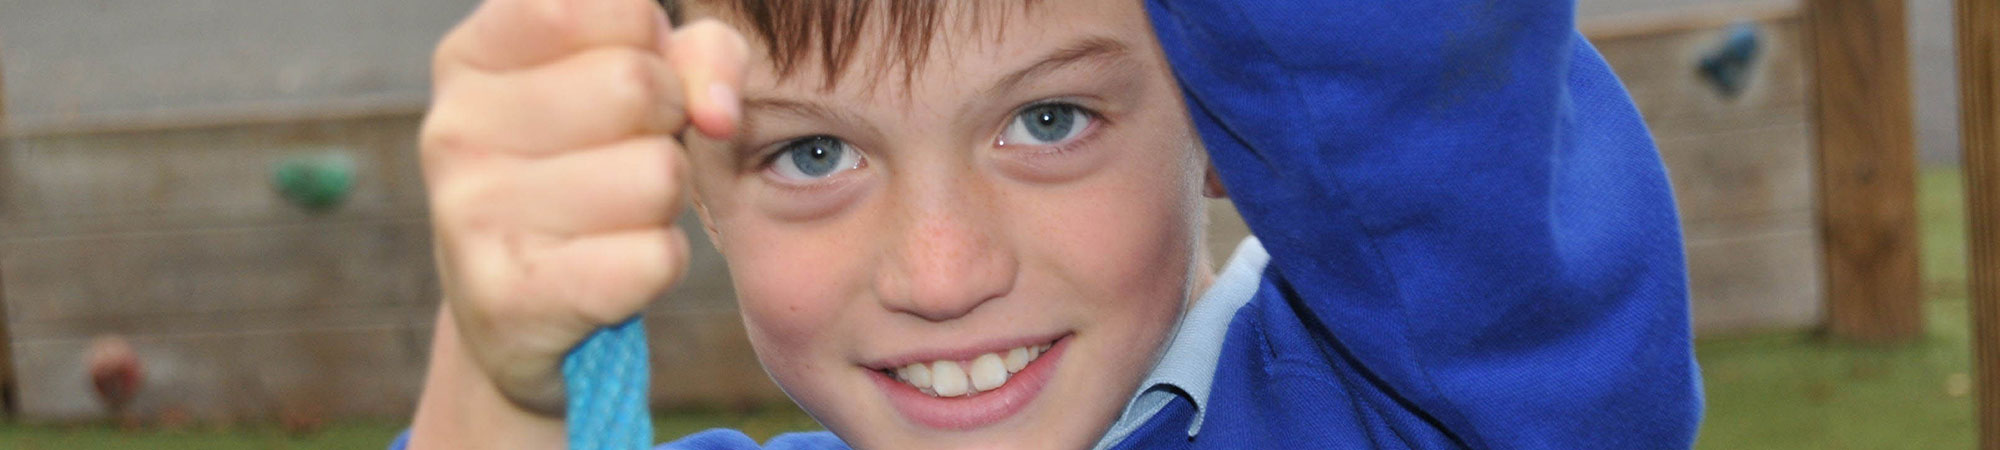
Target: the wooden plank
pixel 1747 283
pixel 67 185
pixel 132 280
pixel 111 64
pixel 1738 174
pixel 1706 16
pixel 1867 171
pixel 701 358
pixel 144 281
pixel 183 117
pixel 1660 72
pixel 226 377
pixel 1979 101
pixel 1742 167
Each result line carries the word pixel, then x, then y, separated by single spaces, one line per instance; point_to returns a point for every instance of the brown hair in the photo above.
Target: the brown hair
pixel 800 32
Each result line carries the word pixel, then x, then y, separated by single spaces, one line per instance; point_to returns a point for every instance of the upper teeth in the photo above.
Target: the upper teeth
pixel 947 378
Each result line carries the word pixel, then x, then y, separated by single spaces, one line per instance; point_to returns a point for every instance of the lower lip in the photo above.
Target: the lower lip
pixel 978 410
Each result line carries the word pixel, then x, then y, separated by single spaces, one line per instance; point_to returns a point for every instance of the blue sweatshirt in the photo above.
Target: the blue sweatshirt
pixel 1471 241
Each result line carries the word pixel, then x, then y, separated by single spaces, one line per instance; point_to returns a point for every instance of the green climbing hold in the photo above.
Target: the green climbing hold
pixel 317 183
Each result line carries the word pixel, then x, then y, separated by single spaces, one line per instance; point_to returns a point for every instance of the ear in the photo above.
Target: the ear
pixel 1212 184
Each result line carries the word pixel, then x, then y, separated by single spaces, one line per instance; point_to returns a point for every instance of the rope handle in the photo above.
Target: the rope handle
pixel 606 380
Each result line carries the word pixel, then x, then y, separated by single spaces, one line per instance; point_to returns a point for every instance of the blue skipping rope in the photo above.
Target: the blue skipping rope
pixel 605 378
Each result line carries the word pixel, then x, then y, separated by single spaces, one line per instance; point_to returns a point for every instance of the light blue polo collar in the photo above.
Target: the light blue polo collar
pixel 1188 366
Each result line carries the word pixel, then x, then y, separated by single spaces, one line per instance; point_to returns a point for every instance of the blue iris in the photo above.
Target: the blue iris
pixel 816 156
pixel 1049 122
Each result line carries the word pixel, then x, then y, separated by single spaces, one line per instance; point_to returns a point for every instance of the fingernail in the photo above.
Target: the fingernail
pixel 725 101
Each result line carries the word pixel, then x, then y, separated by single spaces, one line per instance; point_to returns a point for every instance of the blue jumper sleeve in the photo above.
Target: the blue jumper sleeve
pixel 1464 195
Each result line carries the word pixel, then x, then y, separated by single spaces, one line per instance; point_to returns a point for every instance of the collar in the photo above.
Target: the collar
pixel 1187 369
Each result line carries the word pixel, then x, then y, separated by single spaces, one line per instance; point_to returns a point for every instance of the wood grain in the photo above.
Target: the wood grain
pixel 1867 160
pixel 67 185
pixel 1661 73
pixel 1707 16
pixel 135 282
pixel 1752 282
pixel 226 376
pixel 1979 100
pixel 1741 167
pixel 1729 175
pixel 263 368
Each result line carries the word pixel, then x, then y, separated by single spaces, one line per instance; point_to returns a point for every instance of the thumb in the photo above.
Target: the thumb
pixel 711 59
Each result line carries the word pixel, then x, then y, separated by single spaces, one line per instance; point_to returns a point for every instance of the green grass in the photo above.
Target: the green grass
pixel 1782 390
pixel 1796 390
pixel 760 424
pixel 347 435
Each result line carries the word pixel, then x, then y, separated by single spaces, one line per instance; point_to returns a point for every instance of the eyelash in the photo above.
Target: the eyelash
pixel 776 150
pixel 1083 137
pixel 1097 120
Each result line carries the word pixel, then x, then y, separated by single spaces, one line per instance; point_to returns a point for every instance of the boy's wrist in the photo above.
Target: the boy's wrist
pixel 462 408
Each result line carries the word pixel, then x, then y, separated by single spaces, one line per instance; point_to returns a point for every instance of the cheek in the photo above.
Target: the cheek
pixel 1126 236
pixel 792 287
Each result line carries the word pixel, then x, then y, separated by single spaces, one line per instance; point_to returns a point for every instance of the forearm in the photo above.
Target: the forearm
pixel 1464 191
pixel 461 408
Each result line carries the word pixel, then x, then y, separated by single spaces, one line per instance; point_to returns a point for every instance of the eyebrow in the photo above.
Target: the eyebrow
pixel 757 106
pixel 1086 50
pixel 1090 49
pixel 801 108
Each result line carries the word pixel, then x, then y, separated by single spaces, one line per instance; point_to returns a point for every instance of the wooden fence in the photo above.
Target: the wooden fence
pixel 242 306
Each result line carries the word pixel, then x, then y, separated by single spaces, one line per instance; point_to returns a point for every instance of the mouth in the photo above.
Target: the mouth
pixel 958 392
pixel 954 378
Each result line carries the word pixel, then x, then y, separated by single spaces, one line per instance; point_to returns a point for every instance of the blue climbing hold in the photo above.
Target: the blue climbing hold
pixel 1727 66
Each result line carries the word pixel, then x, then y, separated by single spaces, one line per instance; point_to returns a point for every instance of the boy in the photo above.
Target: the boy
pixel 974 224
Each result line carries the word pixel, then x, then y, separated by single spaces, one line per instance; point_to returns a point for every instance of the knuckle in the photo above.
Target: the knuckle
pixel 624 21
pixel 557 16
pixel 458 207
pixel 442 135
pixel 633 81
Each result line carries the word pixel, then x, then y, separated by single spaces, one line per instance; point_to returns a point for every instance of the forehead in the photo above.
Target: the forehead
pixel 902 45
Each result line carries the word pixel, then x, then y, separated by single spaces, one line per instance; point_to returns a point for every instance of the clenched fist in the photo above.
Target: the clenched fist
pixel 555 178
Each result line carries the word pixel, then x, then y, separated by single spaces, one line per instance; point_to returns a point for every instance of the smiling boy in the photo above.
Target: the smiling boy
pixel 975 224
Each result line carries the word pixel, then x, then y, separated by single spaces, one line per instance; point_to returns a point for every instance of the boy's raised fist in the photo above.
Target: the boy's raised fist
pixel 555 175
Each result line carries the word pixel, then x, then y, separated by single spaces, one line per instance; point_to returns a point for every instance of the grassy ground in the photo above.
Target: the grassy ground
pixel 1781 390
pixel 1795 390
pixel 761 424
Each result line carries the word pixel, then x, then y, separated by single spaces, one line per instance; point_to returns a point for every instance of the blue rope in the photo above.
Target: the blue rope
pixel 605 378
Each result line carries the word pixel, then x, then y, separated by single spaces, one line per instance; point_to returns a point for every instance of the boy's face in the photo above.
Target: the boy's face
pixel 1034 184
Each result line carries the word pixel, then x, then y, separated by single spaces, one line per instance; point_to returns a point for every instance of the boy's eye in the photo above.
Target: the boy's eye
pixel 813 158
pixel 1045 124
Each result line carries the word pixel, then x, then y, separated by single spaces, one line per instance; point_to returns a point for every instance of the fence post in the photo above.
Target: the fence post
pixel 1867 168
pixel 1979 102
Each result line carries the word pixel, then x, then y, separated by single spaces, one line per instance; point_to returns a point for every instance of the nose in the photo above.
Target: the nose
pixel 949 257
